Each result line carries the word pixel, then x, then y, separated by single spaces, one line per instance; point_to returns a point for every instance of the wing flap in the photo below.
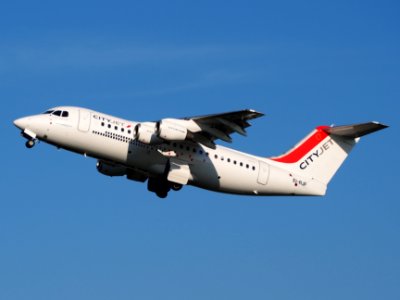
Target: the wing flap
pixel 233 126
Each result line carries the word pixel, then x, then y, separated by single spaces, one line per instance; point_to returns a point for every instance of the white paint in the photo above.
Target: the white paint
pixel 111 139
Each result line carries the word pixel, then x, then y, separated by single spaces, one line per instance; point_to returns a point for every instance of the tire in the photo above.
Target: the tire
pixel 176 186
pixel 162 194
pixel 29 144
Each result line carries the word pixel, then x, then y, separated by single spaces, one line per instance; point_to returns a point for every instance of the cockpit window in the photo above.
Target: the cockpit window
pixel 57 113
pixel 65 114
pixel 48 112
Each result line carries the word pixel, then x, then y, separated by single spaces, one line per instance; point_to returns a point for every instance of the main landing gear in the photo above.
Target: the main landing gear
pixel 176 186
pixel 161 186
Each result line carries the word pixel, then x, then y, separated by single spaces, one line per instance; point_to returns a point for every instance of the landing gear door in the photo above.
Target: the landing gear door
pixel 84 120
pixel 179 172
pixel 263 173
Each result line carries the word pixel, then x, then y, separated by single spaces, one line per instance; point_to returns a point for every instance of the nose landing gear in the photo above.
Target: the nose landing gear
pixel 31 138
pixel 30 143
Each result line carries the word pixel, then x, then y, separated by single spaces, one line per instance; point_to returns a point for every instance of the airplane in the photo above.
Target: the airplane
pixel 171 153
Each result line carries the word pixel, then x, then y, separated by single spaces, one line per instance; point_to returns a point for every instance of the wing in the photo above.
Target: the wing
pixel 221 126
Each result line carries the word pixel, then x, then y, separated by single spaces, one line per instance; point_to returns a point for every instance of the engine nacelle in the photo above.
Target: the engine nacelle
pixel 110 169
pixel 146 133
pixel 171 131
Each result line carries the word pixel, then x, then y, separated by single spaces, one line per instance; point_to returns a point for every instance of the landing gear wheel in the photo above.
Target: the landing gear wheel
pixel 158 186
pixel 29 144
pixel 162 194
pixel 176 186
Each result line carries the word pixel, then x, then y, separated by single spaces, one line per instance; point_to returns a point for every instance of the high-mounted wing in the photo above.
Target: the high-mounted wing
pixel 221 126
pixel 202 129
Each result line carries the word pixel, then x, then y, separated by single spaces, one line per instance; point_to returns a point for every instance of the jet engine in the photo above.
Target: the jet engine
pixel 110 169
pixel 146 133
pixel 168 130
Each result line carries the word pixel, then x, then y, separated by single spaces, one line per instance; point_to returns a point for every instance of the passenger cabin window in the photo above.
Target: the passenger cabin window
pixel 65 114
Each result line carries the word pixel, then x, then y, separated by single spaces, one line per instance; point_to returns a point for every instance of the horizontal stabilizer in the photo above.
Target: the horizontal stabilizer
pixel 356 130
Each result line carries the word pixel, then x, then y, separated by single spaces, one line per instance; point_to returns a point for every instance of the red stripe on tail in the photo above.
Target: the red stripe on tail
pixel 301 150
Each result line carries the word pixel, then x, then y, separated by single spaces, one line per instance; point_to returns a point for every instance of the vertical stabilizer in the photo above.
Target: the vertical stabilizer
pixel 322 152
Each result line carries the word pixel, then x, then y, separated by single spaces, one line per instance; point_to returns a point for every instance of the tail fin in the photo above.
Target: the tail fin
pixel 322 152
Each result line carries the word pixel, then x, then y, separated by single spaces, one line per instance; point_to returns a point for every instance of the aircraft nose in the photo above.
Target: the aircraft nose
pixel 21 123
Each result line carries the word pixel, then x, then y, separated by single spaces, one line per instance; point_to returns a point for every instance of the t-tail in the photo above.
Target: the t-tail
pixel 320 154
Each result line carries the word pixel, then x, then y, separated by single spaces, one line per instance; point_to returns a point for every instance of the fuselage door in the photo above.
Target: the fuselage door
pixel 84 120
pixel 263 173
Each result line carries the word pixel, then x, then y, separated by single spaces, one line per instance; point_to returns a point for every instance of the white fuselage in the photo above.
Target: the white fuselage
pixel 111 139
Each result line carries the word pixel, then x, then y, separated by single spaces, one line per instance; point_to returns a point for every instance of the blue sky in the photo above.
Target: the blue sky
pixel 67 232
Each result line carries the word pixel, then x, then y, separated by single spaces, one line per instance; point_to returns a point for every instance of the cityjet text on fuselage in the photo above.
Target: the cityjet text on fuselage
pixel 109 120
pixel 317 153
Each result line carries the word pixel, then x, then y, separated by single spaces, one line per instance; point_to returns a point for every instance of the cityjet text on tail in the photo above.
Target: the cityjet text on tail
pixel 172 153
